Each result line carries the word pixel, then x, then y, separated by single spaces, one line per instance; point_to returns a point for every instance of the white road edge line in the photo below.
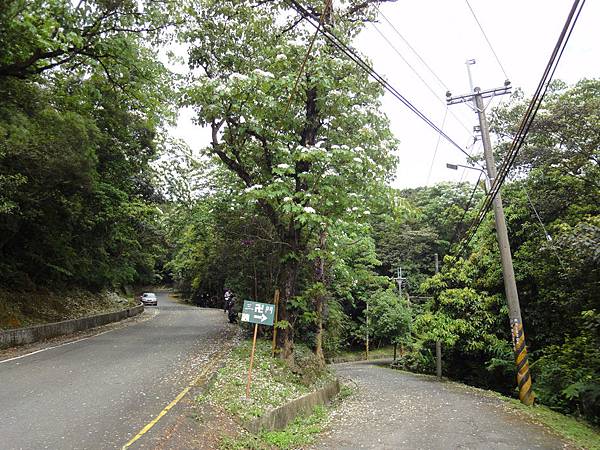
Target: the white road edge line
pixel 63 344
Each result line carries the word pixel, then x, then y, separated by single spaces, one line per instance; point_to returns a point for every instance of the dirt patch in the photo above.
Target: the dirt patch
pixel 200 426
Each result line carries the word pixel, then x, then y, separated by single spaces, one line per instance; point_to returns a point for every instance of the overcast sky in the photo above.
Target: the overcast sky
pixel 445 34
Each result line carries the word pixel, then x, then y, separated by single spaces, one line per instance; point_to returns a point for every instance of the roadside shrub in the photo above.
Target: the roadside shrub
pixel 568 376
pixel 418 360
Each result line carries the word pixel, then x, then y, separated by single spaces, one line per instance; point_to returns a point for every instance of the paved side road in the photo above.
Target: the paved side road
pixel 397 410
pixel 99 392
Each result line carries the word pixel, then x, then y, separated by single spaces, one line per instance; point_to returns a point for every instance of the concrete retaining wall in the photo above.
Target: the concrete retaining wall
pixel 279 418
pixel 20 336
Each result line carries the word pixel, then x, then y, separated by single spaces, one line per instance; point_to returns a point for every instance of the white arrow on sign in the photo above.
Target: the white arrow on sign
pixel 262 317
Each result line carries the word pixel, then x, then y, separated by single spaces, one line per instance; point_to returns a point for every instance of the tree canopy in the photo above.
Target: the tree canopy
pixel 293 190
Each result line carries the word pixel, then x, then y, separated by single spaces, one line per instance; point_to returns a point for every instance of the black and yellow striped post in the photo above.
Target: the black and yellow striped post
pixel 526 394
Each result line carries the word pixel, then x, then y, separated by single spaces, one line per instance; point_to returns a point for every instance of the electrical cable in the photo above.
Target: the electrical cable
pixel 354 57
pixel 528 118
pixel 393 47
pixel 411 48
pixel 455 234
pixel 546 234
pixel 307 54
pixel 551 69
pixel 436 147
pixel 487 40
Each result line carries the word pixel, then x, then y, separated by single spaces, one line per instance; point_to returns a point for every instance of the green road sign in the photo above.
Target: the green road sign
pixel 256 312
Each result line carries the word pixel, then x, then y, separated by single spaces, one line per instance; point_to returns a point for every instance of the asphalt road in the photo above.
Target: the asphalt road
pixel 399 410
pixel 99 392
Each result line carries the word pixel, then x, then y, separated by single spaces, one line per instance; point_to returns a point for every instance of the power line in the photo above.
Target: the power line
pixel 436 147
pixel 353 56
pixel 411 48
pixel 308 50
pixel 467 208
pixel 528 118
pixel 486 39
pixel 546 234
pixel 393 47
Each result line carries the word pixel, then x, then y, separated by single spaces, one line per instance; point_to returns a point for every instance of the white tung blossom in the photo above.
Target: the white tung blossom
pixel 283 166
pixel 358 160
pixel 238 76
pixel 281 57
pixel 287 199
pixel 262 73
pixel 309 209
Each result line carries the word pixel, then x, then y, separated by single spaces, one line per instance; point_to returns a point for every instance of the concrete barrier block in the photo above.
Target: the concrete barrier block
pixel 28 335
pixel 279 418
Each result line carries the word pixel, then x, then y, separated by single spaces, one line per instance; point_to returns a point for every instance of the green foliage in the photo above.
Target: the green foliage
pixel 556 263
pixel 390 317
pixel 78 131
pixel 469 323
pixel 305 163
pixel 433 218
pixel 568 376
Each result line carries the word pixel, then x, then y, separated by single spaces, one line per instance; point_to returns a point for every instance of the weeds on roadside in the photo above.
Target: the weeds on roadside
pixel 300 433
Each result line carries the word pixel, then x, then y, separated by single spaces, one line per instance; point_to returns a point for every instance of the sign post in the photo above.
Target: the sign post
pixel 251 362
pixel 258 314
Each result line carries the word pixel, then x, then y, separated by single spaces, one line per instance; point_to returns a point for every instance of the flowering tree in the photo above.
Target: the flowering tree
pixel 305 138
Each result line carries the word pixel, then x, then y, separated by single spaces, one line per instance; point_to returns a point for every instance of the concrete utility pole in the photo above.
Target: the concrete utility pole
pixel 510 286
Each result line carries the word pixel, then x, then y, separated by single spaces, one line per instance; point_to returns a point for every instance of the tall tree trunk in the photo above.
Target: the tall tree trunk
pixel 285 336
pixel 320 299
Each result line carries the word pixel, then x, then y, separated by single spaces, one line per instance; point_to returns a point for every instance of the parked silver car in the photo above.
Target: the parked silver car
pixel 149 299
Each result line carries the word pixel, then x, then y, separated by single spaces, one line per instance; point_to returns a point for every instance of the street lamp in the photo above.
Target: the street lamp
pixel 456 166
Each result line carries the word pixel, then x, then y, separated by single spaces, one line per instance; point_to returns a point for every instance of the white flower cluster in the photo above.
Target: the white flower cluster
pixel 238 76
pixel 262 73
pixel 309 209
pixel 253 188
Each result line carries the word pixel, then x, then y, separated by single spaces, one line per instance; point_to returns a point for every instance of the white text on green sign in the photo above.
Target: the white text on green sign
pixel 256 312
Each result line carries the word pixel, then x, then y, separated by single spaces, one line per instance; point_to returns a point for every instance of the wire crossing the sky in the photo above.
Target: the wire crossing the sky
pixel 393 47
pixel 528 118
pixel 353 56
pixel 411 48
pixel 487 40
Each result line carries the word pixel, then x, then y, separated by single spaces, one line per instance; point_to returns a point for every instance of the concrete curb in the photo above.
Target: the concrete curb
pixel 20 336
pixel 279 418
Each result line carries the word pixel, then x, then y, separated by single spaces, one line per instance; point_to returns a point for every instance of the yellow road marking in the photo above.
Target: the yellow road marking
pixel 171 405
pixel 157 418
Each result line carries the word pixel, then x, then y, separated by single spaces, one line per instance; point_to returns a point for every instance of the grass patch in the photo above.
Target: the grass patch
pixel 576 431
pixel 273 382
pixel 300 433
